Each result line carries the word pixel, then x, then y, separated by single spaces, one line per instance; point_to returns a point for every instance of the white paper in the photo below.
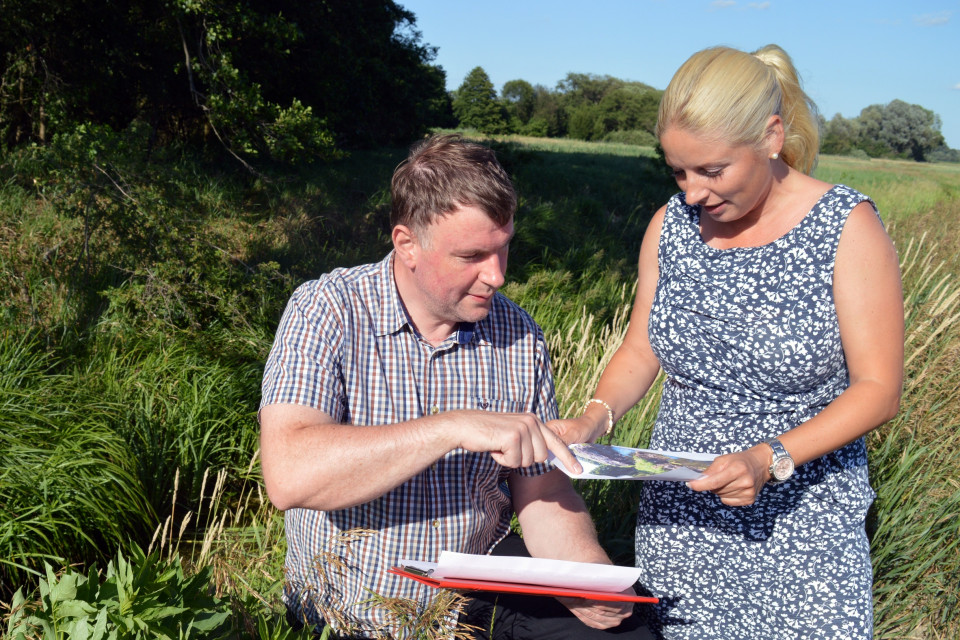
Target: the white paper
pixel 610 462
pixel 538 571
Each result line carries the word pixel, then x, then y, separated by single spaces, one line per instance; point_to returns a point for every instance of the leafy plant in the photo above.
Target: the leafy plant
pixel 142 597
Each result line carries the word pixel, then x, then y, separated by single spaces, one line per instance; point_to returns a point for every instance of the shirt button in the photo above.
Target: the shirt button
pixel 436 524
pixel 434 409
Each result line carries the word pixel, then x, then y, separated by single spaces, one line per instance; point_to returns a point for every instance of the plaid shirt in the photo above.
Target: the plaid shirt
pixel 346 347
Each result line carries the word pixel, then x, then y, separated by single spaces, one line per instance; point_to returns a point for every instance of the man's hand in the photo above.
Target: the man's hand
pixel 599 614
pixel 737 477
pixel 513 439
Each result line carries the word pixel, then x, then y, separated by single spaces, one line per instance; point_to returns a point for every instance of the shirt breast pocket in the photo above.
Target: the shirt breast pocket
pixel 499 405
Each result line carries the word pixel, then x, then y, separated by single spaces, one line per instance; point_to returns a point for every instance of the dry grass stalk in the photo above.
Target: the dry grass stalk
pixel 437 621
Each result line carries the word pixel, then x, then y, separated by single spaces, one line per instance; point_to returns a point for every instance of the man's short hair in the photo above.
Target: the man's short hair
pixel 445 172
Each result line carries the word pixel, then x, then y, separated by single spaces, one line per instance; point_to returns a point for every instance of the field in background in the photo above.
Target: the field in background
pixel 138 310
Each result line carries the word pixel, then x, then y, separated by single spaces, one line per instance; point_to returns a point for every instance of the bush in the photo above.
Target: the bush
pixel 537 127
pixel 859 154
pixel 637 137
pixel 944 154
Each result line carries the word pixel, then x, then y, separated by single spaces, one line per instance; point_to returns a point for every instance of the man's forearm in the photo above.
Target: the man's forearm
pixel 313 462
pixel 554 519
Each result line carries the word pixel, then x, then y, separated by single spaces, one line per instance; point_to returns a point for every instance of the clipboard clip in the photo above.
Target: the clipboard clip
pixel 418 572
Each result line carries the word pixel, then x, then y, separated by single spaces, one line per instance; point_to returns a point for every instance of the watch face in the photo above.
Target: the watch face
pixel 783 468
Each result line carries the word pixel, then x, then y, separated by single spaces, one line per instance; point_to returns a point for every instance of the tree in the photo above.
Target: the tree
pixel 519 99
pixel 900 129
pixel 911 130
pixel 632 106
pixel 547 116
pixel 581 121
pixel 595 105
pixel 268 76
pixel 475 104
pixel 361 64
pixel 579 88
pixel 840 135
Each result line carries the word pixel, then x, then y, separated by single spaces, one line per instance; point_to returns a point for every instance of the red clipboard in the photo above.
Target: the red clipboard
pixel 516 587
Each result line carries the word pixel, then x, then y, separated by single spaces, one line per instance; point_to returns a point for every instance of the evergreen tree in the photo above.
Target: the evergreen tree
pixel 475 104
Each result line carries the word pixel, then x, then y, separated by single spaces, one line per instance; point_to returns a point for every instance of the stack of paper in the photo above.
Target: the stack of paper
pixel 512 574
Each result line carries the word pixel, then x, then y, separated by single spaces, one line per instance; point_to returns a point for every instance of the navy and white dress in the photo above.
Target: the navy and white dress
pixel 750 343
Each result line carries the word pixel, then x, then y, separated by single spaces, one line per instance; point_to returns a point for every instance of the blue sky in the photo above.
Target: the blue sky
pixel 849 54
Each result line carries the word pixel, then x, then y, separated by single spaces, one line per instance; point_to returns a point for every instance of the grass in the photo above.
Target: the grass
pixel 133 354
pixel 901 189
pixel 916 534
pixel 67 481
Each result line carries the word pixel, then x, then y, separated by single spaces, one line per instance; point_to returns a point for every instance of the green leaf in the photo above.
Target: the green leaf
pixel 100 626
pixel 208 621
pixel 78 630
pixel 75 609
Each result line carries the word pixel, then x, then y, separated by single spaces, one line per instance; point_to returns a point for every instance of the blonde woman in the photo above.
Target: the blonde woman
pixel 772 302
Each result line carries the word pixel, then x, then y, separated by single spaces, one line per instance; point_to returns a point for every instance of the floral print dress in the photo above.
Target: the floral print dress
pixel 750 343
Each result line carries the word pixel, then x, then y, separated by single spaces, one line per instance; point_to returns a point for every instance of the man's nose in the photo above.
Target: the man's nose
pixel 493 271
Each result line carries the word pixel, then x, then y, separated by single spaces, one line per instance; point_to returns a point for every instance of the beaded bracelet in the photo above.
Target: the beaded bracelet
pixel 609 413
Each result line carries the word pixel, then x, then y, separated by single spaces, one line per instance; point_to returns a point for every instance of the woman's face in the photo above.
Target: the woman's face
pixel 728 183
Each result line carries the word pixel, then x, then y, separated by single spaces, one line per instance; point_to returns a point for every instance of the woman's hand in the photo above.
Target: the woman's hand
pixel 737 477
pixel 573 430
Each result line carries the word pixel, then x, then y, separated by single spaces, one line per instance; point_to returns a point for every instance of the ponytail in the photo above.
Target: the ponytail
pixel 729 94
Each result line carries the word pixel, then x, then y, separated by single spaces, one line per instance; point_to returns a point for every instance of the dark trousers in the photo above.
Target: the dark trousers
pixel 512 616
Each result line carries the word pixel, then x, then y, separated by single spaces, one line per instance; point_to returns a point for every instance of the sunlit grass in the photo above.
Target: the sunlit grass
pixel 901 189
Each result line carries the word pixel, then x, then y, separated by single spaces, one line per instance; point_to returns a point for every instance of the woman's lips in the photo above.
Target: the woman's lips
pixel 713 209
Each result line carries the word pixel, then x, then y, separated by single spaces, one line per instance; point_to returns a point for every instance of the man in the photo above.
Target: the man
pixel 408 399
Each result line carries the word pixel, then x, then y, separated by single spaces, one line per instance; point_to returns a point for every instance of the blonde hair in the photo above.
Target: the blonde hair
pixel 730 95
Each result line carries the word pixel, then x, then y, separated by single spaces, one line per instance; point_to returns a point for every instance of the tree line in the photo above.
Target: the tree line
pixel 893 130
pixel 591 107
pixel 289 80
pixel 581 106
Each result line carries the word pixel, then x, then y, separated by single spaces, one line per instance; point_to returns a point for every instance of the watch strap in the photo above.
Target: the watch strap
pixel 779 453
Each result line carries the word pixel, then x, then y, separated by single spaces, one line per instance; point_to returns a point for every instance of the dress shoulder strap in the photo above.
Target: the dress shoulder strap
pixel 825 223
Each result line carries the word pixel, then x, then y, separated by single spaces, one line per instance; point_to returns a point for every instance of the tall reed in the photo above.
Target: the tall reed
pixel 915 539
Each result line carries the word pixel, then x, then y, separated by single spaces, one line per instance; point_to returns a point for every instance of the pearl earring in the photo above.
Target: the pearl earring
pixel 774 156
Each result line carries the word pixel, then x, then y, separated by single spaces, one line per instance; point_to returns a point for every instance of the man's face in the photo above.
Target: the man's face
pixel 460 263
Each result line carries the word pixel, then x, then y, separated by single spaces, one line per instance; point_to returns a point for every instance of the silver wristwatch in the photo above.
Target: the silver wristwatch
pixel 782 466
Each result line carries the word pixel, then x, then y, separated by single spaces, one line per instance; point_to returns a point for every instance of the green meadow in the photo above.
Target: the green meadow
pixel 138 301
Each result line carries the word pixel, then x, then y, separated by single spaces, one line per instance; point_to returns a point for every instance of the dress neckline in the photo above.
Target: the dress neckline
pixel 775 242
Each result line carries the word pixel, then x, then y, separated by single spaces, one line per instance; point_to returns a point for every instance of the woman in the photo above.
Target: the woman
pixel 772 301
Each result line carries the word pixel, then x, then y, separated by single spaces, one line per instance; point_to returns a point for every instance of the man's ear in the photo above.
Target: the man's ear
pixel 405 245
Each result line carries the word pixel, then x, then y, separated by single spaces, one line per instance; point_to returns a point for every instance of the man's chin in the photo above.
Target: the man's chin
pixel 474 313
